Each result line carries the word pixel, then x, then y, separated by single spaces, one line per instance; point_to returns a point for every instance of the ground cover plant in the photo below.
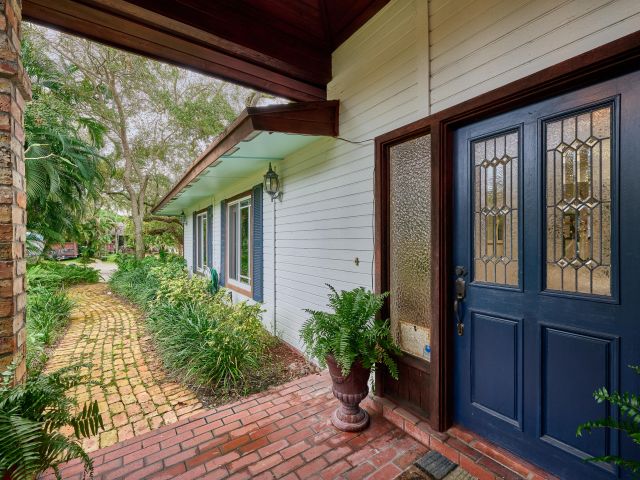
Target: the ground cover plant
pixel 206 340
pixel 52 274
pixel 49 306
pixel 31 416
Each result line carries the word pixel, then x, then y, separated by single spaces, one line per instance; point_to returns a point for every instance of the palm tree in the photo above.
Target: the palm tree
pixel 63 165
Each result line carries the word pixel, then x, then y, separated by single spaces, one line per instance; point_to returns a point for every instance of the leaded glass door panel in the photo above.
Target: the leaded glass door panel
pixel 547 223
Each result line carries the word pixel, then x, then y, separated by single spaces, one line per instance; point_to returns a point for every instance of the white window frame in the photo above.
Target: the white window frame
pixel 243 284
pixel 201 240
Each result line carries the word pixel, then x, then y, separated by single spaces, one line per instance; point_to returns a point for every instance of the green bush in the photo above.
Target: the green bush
pixel 31 415
pixel 134 279
pixel 54 275
pixel 47 315
pixel 211 343
pixel 205 339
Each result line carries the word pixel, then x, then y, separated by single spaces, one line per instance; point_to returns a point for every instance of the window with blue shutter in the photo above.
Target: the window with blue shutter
pixel 241 244
pixel 202 241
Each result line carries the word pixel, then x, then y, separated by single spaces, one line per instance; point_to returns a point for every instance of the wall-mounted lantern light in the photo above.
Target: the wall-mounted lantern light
pixel 183 218
pixel 272 183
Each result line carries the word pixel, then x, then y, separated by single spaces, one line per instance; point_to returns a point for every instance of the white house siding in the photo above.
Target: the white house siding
pixel 234 189
pixel 413 58
pixel 479 45
pixel 325 220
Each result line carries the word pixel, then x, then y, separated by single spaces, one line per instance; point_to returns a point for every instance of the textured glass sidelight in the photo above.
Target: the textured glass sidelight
pixel 578 202
pixel 495 211
pixel 410 236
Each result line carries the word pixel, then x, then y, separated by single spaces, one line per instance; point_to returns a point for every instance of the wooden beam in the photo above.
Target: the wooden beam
pixel 165 39
pixel 309 118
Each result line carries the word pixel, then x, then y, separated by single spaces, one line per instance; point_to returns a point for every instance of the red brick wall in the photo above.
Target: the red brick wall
pixel 15 89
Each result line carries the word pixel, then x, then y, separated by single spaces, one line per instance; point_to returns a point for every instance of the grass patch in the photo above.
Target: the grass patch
pixel 214 345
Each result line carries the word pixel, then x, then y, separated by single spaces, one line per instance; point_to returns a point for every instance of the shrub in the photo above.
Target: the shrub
pixel 54 275
pixel 213 343
pixel 31 415
pixel 351 332
pixel 134 279
pixel 47 315
pixel 205 339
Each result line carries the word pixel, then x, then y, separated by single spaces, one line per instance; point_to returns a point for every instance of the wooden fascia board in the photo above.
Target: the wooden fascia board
pixel 244 67
pixel 310 118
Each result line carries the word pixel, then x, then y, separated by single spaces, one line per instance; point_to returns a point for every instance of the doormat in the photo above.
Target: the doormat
pixel 436 465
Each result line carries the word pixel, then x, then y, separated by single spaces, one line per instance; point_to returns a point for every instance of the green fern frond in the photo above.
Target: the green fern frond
pixel 350 331
pixel 31 415
pixel 628 405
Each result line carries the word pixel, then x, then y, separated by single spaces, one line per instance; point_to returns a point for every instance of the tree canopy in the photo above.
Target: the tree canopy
pixel 149 120
pixel 63 166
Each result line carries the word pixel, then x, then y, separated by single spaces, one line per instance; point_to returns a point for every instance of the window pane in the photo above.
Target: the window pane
pixel 232 246
pixel 204 241
pixel 578 205
pixel 495 211
pixel 244 243
pixel 410 242
pixel 199 241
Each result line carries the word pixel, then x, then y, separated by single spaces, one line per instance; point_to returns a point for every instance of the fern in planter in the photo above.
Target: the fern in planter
pixel 351 331
pixel 629 423
pixel 31 415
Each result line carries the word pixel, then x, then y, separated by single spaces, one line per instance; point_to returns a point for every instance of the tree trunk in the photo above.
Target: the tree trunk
pixel 137 235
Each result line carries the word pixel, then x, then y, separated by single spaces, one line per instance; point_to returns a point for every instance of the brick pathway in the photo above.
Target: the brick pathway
pixel 137 397
pixel 282 433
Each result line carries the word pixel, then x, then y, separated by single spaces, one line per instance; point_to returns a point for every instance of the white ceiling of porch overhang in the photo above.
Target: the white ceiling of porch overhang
pixel 249 157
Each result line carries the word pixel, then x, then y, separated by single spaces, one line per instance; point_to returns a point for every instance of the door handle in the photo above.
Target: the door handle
pixel 460 295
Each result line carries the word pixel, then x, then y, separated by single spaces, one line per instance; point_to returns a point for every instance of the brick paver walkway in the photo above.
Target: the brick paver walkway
pixel 281 433
pixel 137 396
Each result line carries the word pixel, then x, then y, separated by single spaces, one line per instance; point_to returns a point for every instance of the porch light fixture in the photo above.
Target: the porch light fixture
pixel 183 218
pixel 272 183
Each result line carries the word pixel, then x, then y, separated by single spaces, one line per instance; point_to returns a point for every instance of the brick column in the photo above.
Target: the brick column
pixel 15 89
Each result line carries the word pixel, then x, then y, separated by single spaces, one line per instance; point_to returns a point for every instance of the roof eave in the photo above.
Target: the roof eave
pixel 303 118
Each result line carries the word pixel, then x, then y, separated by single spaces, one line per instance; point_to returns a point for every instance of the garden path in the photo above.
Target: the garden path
pixel 137 396
pixel 284 432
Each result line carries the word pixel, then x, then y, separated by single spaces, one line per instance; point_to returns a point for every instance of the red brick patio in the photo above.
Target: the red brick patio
pixel 281 433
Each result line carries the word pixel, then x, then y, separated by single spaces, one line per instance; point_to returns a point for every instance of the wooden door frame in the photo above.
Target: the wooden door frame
pixel 602 63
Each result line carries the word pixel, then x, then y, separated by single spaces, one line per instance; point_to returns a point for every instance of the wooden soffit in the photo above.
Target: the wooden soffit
pixel 281 47
pixel 313 119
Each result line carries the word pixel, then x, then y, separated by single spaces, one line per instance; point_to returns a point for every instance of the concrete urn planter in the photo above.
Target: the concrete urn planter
pixel 350 391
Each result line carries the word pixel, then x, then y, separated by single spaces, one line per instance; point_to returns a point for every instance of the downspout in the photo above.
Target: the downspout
pixel 275 331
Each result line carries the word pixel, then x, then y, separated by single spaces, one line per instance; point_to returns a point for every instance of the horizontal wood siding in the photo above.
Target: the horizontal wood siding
pixel 325 219
pixel 413 58
pixel 479 45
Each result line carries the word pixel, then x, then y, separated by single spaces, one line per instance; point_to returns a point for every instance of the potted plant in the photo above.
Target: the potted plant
pixel 351 340
pixel 31 416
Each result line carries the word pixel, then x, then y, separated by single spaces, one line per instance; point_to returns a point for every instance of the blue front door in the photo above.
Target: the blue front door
pixel 547 230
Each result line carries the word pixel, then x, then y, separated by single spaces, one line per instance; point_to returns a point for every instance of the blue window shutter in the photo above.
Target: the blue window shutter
pixel 258 264
pixel 194 242
pixel 223 242
pixel 210 236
